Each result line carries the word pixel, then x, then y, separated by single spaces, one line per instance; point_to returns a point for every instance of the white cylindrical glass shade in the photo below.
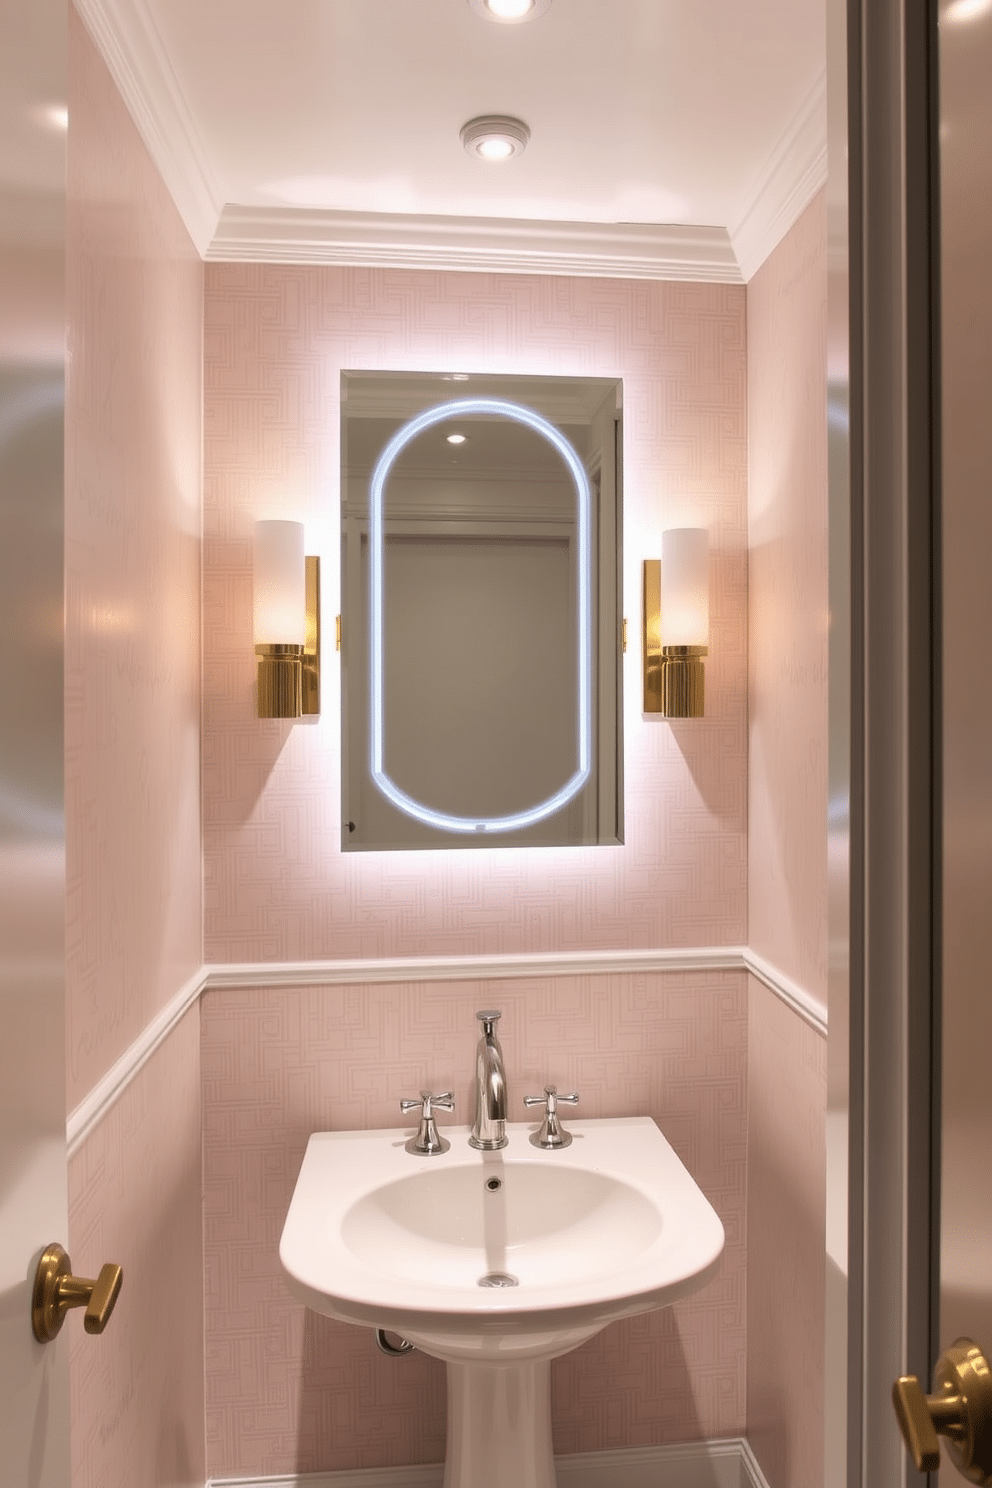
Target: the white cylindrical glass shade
pixel 685 587
pixel 279 584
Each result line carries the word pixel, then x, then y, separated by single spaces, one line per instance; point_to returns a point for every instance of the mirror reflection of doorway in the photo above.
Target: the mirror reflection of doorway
pixel 482 711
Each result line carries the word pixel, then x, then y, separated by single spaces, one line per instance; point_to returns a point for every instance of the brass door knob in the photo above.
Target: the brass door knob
pixel 960 1410
pixel 56 1290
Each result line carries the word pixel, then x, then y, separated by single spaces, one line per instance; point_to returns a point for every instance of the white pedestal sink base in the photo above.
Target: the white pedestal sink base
pixel 499 1426
pixel 608 1227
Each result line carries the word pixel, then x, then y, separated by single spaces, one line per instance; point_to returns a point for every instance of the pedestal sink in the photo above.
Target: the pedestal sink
pixel 496 1262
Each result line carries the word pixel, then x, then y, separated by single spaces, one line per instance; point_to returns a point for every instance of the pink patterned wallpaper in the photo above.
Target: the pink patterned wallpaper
pixel 786 1238
pixel 787 370
pixel 132 670
pixel 134 921
pixel 135 1198
pixel 788 604
pixel 288 1391
pixel 285 1390
pixel 277 885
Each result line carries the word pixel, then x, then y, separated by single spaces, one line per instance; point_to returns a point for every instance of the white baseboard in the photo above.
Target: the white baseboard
pixel 729 1463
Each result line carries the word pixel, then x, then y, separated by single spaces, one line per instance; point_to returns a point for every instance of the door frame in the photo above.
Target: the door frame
pixel 893 1031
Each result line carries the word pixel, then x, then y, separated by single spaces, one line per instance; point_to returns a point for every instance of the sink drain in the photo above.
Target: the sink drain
pixel 497 1279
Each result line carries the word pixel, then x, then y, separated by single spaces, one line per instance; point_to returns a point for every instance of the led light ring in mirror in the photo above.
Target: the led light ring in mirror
pixel 518 413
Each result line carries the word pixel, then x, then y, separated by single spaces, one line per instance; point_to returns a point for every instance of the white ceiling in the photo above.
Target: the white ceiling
pixel 668 137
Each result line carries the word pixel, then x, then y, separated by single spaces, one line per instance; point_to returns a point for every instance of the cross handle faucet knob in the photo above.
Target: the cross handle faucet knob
pixel 428 1142
pixel 551 1135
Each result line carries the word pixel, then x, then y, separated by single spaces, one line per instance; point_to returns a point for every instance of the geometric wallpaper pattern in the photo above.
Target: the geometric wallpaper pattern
pixel 786 1258
pixel 277 885
pixel 136 1198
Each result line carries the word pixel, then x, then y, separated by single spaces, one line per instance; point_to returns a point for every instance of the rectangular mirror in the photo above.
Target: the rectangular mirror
pixel 481 630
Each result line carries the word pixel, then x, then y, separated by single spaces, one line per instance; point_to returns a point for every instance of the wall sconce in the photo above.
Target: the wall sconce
pixel 676 634
pixel 286 594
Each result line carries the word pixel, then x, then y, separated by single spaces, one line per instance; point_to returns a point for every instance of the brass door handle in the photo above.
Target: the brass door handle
pixel 960 1410
pixel 56 1290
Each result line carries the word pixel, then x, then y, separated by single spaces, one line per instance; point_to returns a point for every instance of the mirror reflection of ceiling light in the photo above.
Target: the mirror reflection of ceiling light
pixel 509 12
pixel 495 137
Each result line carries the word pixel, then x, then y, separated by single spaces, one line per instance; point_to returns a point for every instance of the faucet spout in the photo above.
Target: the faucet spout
pixel 489 1131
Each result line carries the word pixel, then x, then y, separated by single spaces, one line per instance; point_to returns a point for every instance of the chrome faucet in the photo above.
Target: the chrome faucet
pixel 489 1131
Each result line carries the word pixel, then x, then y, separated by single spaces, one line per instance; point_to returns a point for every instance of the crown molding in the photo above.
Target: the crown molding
pixel 795 171
pixel 127 38
pixel 125 34
pixel 563 400
pixel 478 244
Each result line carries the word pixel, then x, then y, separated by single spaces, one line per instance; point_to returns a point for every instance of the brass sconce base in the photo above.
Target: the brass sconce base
pixel 683 682
pixel 674 677
pixel 280 681
pixel 289 676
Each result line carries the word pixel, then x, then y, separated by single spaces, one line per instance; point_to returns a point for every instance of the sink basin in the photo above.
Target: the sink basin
pixel 497 1262
pixel 610 1226
pixel 555 1225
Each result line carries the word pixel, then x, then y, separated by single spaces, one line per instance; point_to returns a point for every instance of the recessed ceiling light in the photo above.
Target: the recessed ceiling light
pixel 456 438
pixel 495 137
pixel 509 12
